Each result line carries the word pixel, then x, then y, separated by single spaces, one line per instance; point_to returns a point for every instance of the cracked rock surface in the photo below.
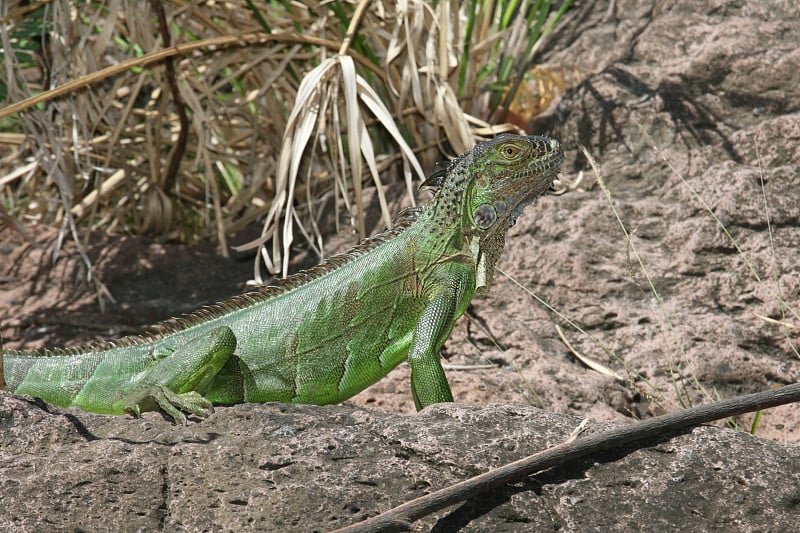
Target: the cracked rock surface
pixel 278 467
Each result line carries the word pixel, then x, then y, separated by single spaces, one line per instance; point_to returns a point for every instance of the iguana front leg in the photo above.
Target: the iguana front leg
pixel 454 288
pixel 173 383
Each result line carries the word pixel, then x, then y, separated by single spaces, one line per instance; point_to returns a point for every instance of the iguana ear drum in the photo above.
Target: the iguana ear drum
pixel 484 216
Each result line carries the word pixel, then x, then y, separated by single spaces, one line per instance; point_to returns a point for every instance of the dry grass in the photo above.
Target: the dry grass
pixel 230 112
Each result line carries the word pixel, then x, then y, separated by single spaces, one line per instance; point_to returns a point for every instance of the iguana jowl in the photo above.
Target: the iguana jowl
pixel 325 334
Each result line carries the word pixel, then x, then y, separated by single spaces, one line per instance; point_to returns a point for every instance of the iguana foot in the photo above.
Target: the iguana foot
pixel 172 403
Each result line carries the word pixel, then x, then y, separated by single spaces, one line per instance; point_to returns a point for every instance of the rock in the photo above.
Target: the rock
pixel 277 467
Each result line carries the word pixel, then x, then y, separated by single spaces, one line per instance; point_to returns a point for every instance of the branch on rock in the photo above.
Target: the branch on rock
pixel 401 517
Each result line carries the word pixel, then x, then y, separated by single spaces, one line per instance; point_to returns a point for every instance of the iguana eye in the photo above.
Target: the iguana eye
pixel 510 151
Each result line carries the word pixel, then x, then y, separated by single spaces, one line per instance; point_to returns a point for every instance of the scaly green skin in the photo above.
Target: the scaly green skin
pixel 326 334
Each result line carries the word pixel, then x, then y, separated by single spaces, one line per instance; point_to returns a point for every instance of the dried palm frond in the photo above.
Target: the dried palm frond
pixel 222 113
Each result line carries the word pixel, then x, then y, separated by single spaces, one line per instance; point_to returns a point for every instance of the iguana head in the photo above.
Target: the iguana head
pixel 488 187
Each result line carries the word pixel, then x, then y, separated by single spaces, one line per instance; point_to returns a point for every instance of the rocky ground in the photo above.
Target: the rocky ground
pixel 295 468
pixel 693 115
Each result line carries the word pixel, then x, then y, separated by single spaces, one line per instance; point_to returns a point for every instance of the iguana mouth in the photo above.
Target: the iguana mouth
pixel 546 182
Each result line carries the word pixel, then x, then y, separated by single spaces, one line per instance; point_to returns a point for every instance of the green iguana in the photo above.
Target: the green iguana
pixel 327 333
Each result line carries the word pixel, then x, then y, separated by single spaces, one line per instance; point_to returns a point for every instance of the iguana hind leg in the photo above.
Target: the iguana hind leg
pixel 176 383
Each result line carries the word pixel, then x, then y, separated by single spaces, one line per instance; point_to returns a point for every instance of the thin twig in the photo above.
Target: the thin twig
pixel 2 374
pixel 223 41
pixel 588 361
pixel 401 517
pixel 183 132
pixel 355 20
